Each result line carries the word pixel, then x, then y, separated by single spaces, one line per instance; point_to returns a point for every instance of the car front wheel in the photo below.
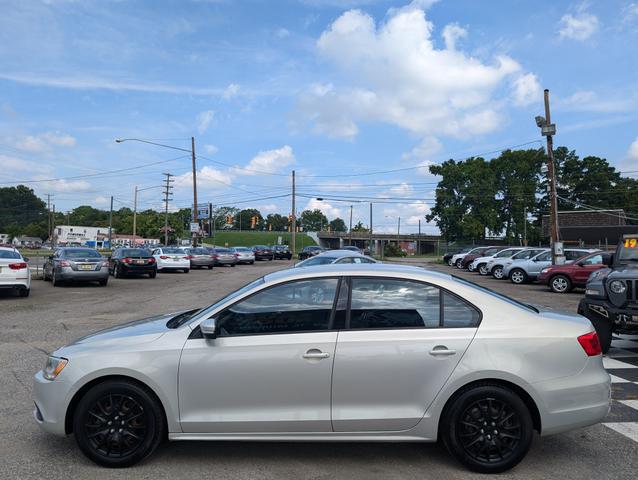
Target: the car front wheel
pixel 482 269
pixel 488 428
pixel 518 276
pixel 118 423
pixel 459 263
pixel 560 284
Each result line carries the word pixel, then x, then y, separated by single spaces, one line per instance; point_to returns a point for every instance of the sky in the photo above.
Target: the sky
pixel 358 97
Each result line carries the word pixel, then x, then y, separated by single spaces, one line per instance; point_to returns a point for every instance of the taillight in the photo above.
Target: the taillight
pixel 213 257
pixel 163 257
pixel 126 260
pixel 188 257
pixel 236 255
pixel 18 266
pixel 216 257
pixel 590 344
pixel 151 261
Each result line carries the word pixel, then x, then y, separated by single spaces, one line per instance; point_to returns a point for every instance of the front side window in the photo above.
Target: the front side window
pixel 593 260
pixel 393 303
pixel 526 254
pixel 299 306
pixel 506 253
pixel 573 254
pixel 544 257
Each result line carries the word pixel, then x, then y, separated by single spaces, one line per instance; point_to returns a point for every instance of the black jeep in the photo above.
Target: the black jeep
pixel 611 295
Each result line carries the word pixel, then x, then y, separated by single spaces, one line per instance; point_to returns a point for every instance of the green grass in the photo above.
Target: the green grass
pixel 248 239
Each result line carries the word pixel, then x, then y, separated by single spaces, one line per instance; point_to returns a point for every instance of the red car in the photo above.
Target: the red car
pixel 563 278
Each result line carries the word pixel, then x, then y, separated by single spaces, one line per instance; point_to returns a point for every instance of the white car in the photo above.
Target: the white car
pixel 172 258
pixel 457 257
pixel 356 353
pixel 481 264
pixel 14 271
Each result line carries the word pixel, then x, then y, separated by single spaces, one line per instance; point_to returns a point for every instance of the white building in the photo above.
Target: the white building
pixel 5 238
pixel 125 240
pixel 75 235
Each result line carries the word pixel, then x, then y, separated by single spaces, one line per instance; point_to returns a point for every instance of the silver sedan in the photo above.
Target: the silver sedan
pixel 332 353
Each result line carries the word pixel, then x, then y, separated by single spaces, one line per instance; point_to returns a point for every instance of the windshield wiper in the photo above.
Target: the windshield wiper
pixel 181 319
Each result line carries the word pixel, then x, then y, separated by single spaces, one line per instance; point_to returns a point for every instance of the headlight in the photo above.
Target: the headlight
pixel 618 286
pixel 53 367
pixel 545 270
pixel 593 291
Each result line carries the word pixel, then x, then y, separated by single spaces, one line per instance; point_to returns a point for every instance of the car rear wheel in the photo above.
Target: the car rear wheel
pixel 104 282
pixel 24 292
pixel 117 272
pixel 152 275
pixel 497 272
pixel 560 284
pixel 459 263
pixel 54 280
pixel 210 267
pixel 518 276
pixel 482 269
pixel 118 423
pixel 449 262
pixel 488 428
pixel 186 270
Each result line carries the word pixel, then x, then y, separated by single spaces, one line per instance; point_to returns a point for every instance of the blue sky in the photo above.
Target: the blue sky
pixel 333 89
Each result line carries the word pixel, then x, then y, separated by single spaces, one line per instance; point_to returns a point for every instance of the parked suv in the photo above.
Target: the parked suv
pixel 467 260
pixel 481 264
pixel 564 278
pixel 522 271
pixel 611 294
pixel 496 266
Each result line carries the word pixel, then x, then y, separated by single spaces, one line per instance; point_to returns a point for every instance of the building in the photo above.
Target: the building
pixel 5 238
pixel 590 227
pixel 125 240
pixel 32 242
pixel 74 235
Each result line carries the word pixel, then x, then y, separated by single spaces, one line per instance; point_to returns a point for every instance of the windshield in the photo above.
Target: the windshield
pixel 628 250
pixel 135 252
pixel 173 250
pixel 500 296
pixel 81 253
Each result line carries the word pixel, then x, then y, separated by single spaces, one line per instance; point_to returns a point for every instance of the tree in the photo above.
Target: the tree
pixel 360 228
pixel 243 219
pixel 313 220
pixel 338 225
pixel 279 223
pixel 19 207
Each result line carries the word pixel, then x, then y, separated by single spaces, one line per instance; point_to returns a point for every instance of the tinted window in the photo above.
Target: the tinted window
pixel 222 250
pixel 317 261
pixel 81 253
pixel 173 250
pixel 458 314
pixel 242 249
pixel 573 254
pixel 544 257
pixel 365 260
pixel 345 260
pixel 9 254
pixel 505 253
pixel 292 307
pixel 134 252
pixel 593 260
pixel 490 251
pixel 388 303
pixel 526 254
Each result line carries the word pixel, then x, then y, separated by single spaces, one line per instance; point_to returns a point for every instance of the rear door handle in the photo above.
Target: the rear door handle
pixel 442 351
pixel 315 353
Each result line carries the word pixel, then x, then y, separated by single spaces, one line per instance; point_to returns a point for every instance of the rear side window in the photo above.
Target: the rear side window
pixel 594 260
pixel 393 303
pixel 458 314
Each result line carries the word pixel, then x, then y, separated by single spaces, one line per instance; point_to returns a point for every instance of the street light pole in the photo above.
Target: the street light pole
pixel 135 214
pixel 195 212
pixel 350 240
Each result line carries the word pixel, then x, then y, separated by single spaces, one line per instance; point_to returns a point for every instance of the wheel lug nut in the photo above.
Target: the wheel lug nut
pixel 495 432
pixel 120 430
pixel 112 431
pixel 109 423
pixel 482 431
pixel 489 437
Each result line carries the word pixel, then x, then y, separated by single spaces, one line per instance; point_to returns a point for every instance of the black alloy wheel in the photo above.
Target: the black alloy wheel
pixel 488 428
pixel 118 423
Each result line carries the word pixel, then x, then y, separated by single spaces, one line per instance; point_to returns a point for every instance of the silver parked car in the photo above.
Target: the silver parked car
pixel 223 256
pixel 200 258
pixel 335 256
pixel 332 353
pixel 526 270
pixel 244 255
pixel 76 264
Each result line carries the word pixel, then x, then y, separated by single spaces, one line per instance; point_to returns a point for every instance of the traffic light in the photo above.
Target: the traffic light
pixel 270 227
pixel 253 221
pixel 229 219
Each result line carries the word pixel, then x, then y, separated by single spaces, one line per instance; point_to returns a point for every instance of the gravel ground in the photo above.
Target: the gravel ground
pixel 51 317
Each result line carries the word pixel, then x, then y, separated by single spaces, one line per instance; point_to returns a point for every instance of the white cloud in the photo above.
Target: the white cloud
pixel 326 207
pixel 402 190
pixel 589 101
pixel 527 90
pixel 632 153
pixel 398 76
pixel 269 161
pixel 282 33
pixel 630 13
pixel 100 200
pixel 203 120
pixel 44 142
pixel 64 185
pixel 59 139
pixel 451 33
pixel 206 177
pixel 211 149
pixel 267 208
pixel 580 26
pixel 230 91
pixel 9 164
pixel 428 147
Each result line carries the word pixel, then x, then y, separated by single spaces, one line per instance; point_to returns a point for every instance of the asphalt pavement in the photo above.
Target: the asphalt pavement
pixel 51 317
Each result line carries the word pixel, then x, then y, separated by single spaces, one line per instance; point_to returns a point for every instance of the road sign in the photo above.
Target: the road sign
pixel 203 210
pixel 194 227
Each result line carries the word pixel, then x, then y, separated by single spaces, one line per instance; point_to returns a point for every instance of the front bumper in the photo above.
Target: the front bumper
pixel 51 400
pixel 624 320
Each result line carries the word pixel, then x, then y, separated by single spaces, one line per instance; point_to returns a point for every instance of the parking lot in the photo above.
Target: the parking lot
pixel 50 317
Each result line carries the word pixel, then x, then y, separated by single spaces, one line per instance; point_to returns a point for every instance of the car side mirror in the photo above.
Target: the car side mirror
pixel 608 261
pixel 26 259
pixel 50 257
pixel 209 328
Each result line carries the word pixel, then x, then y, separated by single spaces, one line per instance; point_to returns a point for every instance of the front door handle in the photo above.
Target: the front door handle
pixel 315 353
pixel 442 351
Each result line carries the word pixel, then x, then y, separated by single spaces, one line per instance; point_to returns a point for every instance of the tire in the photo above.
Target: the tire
pixel 449 262
pixel 463 428
pixel 54 280
pixel 459 263
pixel 24 292
pixel 186 270
pixel 152 275
pixel 603 328
pixel 518 276
pixel 117 272
pixel 233 264
pixel 142 414
pixel 103 283
pixel 470 268
pixel 251 263
pixel 210 267
pixel 497 272
pixel 560 284
pixel 482 269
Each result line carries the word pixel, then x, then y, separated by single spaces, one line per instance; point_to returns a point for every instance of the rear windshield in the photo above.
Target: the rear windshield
pixel 261 247
pixel 135 252
pixel 9 254
pixel 199 251
pixel 317 261
pixel 242 249
pixel 172 250
pixel 222 250
pixel 81 253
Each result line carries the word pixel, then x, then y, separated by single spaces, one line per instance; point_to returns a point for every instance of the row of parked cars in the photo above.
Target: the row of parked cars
pixel 527 264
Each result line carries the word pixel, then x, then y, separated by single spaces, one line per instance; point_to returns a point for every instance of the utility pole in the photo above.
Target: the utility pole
pixel 548 129
pixel 350 234
pixel 53 239
pixel 293 221
pixel 167 193
pixel 211 224
pixel 418 241
pixel 135 214
pixel 110 222
pixel 525 226
pixel 195 219
pixel 398 229
pixel 370 241
pixel 49 215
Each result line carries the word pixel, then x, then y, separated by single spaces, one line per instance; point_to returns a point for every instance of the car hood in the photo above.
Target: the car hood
pixel 624 271
pixel 139 331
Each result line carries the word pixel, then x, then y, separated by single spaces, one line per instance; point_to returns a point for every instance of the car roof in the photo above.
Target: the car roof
pixel 10 249
pixel 359 269
pixel 340 253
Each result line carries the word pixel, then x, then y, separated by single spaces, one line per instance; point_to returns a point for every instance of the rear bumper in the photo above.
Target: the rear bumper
pixel 66 274
pixel 145 269
pixel 174 265
pixel 15 285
